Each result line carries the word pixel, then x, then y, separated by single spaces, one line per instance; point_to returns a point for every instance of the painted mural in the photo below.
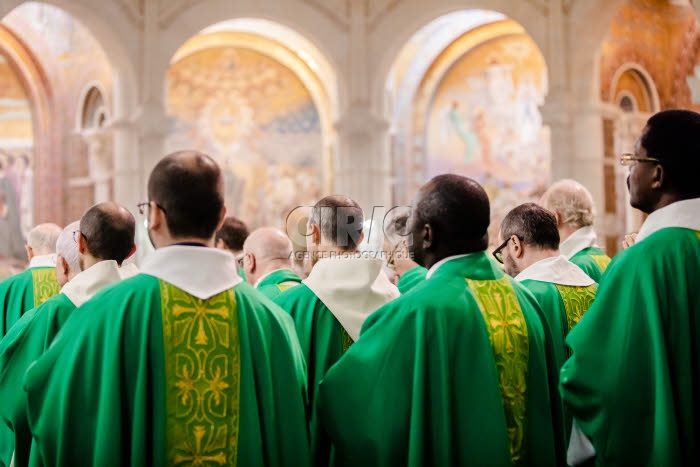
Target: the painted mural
pixel 484 122
pixel 256 118
pixel 16 144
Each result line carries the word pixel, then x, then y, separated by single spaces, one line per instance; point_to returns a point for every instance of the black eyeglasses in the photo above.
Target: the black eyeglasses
pixel 497 252
pixel 146 204
pixel 76 233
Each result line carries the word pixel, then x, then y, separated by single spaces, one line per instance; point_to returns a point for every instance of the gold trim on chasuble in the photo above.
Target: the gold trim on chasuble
pixel 203 377
pixel 345 339
pixel 282 287
pixel 45 284
pixel 508 335
pixel 602 261
pixel 576 301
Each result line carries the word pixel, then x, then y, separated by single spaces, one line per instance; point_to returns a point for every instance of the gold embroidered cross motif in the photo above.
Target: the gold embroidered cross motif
pixel 202 361
pixel 509 339
pixel 45 284
pixel 576 300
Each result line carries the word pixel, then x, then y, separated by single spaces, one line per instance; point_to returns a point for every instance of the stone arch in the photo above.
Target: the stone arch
pixel 93 107
pixel 645 82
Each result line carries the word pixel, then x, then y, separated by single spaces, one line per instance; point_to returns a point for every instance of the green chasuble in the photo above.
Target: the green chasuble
pixel 562 307
pixel 454 372
pixel 146 374
pixel 24 291
pixel 411 278
pixel 593 261
pixel 633 380
pixel 323 341
pixel 27 340
pixel 277 282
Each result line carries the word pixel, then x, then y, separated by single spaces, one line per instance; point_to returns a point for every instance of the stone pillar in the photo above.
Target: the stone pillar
pixel 362 171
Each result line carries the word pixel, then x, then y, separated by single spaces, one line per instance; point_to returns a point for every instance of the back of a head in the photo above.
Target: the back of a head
pixel 188 187
pixel 572 201
pixel 233 233
pixel 458 210
pixel 340 220
pixel 108 229
pixel 42 238
pixel 269 244
pixel 68 248
pixel 673 137
pixel 533 225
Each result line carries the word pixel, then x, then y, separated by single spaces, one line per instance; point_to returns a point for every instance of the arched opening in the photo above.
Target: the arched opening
pixel 260 99
pixel 54 56
pixel 465 93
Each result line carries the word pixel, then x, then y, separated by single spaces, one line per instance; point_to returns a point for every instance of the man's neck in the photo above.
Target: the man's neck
pixel 324 252
pixel 209 242
pixel 565 231
pixel 667 199
pixel 535 255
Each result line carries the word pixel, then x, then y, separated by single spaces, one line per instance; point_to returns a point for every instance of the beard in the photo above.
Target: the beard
pixel 510 267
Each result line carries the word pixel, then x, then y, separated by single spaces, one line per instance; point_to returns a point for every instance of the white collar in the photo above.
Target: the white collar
pixel 199 271
pixel 437 265
pixel 43 261
pixel 352 288
pixel 128 270
pixel 557 270
pixel 583 238
pixel 684 214
pixel 83 286
pixel 264 276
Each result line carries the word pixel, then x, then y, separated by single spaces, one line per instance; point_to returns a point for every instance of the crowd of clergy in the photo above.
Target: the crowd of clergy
pixel 219 351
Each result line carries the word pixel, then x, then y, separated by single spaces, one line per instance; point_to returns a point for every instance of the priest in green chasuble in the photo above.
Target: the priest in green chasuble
pixel 454 372
pixel 342 290
pixel 181 364
pixel 407 273
pixel 96 245
pixel 572 205
pixel 230 237
pixel 633 379
pixel 267 262
pixel 34 286
pixel 530 253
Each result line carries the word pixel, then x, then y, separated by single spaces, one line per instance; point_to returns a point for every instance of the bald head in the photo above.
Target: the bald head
pixel 108 231
pixel 187 186
pixel 451 216
pixel 339 219
pixel 42 239
pixel 571 203
pixel 266 250
pixel 67 264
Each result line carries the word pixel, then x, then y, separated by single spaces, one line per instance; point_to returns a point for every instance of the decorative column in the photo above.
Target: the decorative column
pixel 362 169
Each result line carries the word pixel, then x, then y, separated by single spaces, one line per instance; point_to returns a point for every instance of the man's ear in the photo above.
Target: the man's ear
pixel 557 216
pixel 82 244
pixel 314 234
pixel 156 218
pixel 362 237
pixel 428 236
pixel 63 264
pixel 518 250
pixel 252 264
pixel 30 252
pixel 658 178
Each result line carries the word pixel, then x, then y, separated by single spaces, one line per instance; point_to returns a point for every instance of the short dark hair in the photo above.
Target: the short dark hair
pixel 329 211
pixel 188 186
pixel 458 210
pixel 233 233
pixel 533 225
pixel 673 137
pixel 108 230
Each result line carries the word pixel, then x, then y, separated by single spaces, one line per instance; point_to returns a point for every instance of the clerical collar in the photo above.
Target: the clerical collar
pixel 583 238
pixel 683 214
pixel 437 265
pixel 189 244
pixel 43 261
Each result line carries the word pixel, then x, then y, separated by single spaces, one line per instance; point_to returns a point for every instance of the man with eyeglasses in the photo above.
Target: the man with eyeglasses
pixel 37 283
pixel 408 273
pixel 572 205
pixel 89 253
pixel 530 254
pixel 633 380
pixel 183 363
pixel 342 290
pixel 454 372
pixel 267 262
